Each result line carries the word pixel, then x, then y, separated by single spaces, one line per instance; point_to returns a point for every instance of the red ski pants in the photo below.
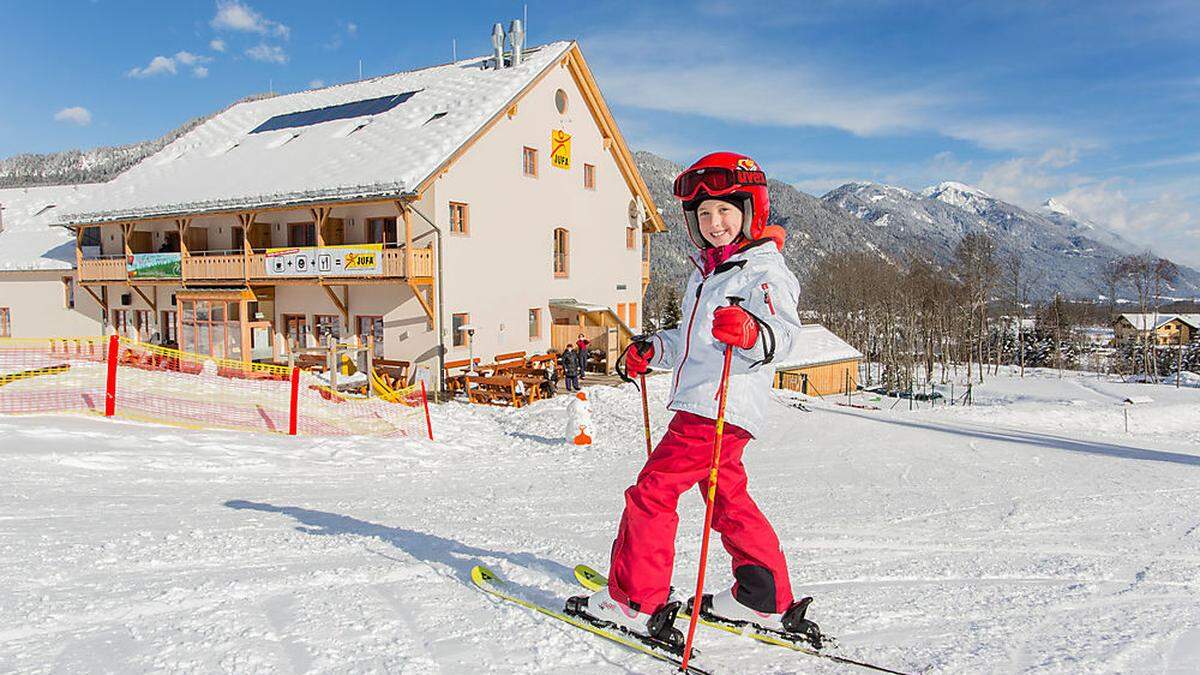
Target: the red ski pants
pixel 644 553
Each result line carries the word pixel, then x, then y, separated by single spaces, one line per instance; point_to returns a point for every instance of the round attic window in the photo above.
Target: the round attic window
pixel 560 101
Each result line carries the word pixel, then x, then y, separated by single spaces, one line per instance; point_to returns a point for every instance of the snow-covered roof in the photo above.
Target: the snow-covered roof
pixel 1143 321
pixel 27 241
pixel 375 138
pixel 814 346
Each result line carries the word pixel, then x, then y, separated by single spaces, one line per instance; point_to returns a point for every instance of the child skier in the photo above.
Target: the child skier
pixel 725 206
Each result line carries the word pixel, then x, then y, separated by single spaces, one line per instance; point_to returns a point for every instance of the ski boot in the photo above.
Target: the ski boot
pixel 790 624
pixel 658 629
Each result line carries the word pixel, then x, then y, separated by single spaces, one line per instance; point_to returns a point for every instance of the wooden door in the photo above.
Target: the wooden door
pixel 335 232
pixel 197 239
pixel 260 236
pixel 141 242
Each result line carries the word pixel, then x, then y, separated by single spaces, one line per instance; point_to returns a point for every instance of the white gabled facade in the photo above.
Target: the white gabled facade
pixel 221 195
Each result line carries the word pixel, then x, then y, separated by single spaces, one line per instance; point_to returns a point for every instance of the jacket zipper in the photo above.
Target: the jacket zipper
pixel 687 340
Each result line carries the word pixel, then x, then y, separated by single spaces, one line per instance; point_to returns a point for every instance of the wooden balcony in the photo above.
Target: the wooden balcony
pixel 214 267
pixel 103 269
pixel 224 267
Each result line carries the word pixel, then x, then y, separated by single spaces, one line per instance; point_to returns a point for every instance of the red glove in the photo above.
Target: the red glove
pixel 638 362
pixel 734 326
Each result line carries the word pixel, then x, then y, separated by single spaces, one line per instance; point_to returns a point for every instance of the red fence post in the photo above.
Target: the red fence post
pixel 110 387
pixel 425 402
pixel 294 413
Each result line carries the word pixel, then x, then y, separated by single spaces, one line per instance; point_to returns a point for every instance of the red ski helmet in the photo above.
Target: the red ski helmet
pixel 727 176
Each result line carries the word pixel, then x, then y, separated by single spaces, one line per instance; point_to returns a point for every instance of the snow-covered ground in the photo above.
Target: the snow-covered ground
pixel 1026 533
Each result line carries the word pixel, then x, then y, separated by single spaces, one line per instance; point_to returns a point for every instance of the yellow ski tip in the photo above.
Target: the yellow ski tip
pixel 482 575
pixel 590 578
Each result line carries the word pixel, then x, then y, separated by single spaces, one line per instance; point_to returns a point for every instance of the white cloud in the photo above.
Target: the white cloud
pixel 267 53
pixel 657 70
pixel 352 28
pixel 189 59
pixel 158 65
pixel 77 115
pixel 217 45
pixel 1027 181
pixel 316 84
pixel 236 16
pixel 168 65
pixel 1163 219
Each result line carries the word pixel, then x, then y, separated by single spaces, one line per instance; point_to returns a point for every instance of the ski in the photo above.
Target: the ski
pixel 490 583
pixel 594 581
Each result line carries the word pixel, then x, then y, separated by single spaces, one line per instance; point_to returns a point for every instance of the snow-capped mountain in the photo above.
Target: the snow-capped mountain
pixel 1066 253
pixel 1058 212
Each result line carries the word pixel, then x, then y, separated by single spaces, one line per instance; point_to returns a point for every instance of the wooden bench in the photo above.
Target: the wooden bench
pixel 393 372
pixel 509 357
pixel 455 382
pixel 496 391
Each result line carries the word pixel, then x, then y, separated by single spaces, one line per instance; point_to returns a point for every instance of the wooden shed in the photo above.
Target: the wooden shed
pixel 821 364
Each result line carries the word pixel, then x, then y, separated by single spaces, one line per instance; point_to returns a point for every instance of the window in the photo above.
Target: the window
pixel 621 312
pixel 562 252
pixel 69 292
pixel 91 236
pixel 535 323
pixel 169 331
pixel 631 238
pixel 141 321
pixel 645 247
pixel 327 326
pixel 633 315
pixel 381 230
pixel 5 322
pixel 302 234
pixel 210 327
pixel 371 328
pixel 560 102
pixel 457 321
pixel 295 331
pixel 589 177
pixel 529 161
pixel 120 322
pixel 459 218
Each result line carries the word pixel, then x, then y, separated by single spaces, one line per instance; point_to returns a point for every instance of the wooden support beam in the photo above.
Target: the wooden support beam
pixel 406 215
pixel 338 303
pixel 153 303
pixel 246 220
pixel 427 305
pixel 126 230
pixel 182 225
pixel 103 304
pixel 78 249
pixel 320 215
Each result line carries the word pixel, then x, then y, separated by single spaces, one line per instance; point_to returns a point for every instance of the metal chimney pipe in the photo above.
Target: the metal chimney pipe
pixel 498 44
pixel 516 37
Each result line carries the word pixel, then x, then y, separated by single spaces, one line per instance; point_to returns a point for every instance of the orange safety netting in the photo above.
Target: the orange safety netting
pixel 156 384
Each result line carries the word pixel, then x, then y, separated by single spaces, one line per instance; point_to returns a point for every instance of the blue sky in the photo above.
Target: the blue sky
pixel 1095 104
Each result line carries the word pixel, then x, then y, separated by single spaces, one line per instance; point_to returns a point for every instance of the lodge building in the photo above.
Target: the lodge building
pixel 493 193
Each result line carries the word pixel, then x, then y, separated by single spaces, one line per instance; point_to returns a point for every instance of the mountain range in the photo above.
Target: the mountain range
pixel 1064 254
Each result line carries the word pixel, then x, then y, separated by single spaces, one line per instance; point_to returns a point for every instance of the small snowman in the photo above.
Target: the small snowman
pixel 579 420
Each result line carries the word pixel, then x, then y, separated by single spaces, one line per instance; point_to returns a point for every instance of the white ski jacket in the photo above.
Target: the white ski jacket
pixel 770 291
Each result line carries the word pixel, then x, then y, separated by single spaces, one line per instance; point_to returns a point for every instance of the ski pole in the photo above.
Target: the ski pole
pixel 711 497
pixel 645 413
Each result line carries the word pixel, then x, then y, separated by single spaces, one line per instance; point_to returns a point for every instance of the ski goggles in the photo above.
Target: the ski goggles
pixel 716 181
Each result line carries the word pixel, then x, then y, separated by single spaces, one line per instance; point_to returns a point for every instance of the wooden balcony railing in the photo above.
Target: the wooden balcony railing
pixel 215 267
pixel 225 267
pixel 103 269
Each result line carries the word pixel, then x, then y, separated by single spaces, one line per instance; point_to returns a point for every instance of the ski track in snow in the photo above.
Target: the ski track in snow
pixel 1027 533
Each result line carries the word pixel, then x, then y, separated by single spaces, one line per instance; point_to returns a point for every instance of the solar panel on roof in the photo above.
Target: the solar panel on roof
pixel 342 111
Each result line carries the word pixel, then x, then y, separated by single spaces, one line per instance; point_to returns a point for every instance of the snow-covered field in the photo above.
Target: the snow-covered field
pixel 1026 533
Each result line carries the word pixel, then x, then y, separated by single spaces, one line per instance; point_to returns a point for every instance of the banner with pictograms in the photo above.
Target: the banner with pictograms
pixel 351 260
pixel 560 149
